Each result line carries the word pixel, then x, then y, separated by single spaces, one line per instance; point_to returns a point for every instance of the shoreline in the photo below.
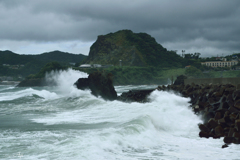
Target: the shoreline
pixel 219 106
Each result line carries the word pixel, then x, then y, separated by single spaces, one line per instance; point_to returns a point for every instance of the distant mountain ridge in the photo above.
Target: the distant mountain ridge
pixel 133 49
pixel 9 57
pixel 31 64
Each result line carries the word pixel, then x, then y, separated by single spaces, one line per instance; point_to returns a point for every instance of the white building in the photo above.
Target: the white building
pixel 220 63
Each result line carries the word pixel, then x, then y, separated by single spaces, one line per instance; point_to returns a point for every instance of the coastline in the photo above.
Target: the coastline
pixel 219 106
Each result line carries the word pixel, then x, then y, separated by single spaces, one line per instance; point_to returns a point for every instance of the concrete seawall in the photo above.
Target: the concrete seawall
pixel 233 81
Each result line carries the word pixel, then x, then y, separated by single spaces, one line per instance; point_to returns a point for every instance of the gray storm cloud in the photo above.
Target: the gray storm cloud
pixel 184 24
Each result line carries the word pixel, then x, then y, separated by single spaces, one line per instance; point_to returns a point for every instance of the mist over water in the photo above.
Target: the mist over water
pixel 63 122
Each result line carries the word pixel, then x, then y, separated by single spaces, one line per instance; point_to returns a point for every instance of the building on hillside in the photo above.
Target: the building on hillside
pixel 220 63
pixel 85 66
pixel 95 66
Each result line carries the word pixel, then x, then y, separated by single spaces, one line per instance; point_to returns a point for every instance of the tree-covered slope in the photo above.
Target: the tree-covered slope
pixel 31 64
pixel 8 57
pixel 133 49
pixel 59 56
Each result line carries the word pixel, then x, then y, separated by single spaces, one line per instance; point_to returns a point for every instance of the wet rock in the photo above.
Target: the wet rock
pixel 203 128
pixel 219 131
pixel 233 110
pixel 228 140
pixel 100 84
pixel 203 134
pixel 136 95
pixel 212 123
pixel 224 146
pixel 230 133
pixel 180 80
pixel 219 106
pixel 237 104
pixel 218 116
pixel 82 83
pixel 237 125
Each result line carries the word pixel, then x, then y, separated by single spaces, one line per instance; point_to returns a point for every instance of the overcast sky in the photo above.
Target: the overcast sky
pixel 210 27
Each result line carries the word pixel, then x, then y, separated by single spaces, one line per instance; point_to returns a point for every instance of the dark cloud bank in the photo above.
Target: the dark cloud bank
pixel 209 27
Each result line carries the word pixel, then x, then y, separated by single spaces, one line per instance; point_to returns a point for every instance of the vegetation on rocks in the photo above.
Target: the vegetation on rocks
pixel 12 64
pixel 133 49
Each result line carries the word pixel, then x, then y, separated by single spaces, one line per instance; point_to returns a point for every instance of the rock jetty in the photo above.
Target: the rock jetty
pixel 219 106
pixel 140 96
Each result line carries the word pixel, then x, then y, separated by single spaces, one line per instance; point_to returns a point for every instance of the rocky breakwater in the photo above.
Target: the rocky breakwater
pixel 140 96
pixel 219 106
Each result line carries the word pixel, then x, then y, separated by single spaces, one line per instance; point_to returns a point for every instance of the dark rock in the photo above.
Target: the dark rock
pixel 236 95
pixel 237 104
pixel 136 95
pixel 100 84
pixel 180 80
pixel 233 110
pixel 203 128
pixel 236 135
pixel 218 116
pixel 230 133
pixel 204 134
pixel 237 125
pixel 224 146
pixel 212 123
pixel 229 140
pixel 82 83
pixel 219 130
pixel 222 122
pixel 233 116
pixel 224 105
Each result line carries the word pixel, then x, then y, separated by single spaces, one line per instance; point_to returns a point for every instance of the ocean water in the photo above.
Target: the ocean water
pixel 65 123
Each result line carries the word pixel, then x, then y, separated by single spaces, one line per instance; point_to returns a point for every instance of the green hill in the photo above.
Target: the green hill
pixel 8 57
pixel 59 56
pixel 134 49
pixel 13 64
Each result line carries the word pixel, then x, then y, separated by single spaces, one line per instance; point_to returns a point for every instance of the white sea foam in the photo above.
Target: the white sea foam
pixel 6 96
pixel 81 126
pixel 165 128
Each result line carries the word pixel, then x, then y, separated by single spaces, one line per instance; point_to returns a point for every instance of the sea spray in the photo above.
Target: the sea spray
pixel 65 80
pixel 77 125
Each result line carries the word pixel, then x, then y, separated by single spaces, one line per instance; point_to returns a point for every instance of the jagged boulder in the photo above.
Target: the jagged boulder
pixel 100 84
pixel 180 80
pixel 82 83
pixel 135 95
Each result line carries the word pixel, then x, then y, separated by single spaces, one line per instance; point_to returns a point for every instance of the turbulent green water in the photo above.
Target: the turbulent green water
pixel 65 123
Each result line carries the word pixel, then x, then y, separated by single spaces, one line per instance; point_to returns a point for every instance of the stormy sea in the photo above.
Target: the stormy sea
pixel 62 122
